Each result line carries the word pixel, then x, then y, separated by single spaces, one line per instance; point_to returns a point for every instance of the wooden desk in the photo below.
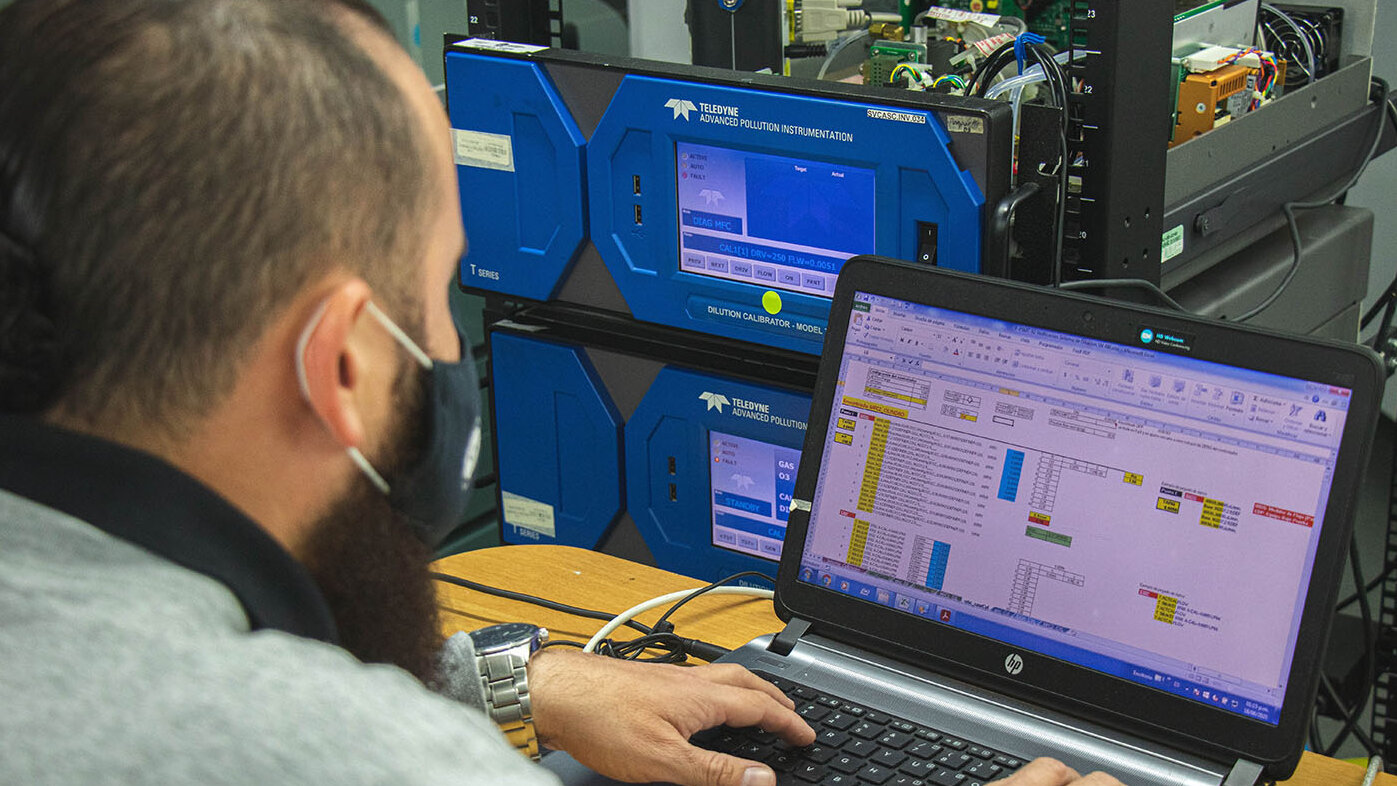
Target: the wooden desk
pixel 605 583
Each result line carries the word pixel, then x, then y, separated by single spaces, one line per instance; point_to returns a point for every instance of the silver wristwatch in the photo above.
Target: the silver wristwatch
pixel 502 658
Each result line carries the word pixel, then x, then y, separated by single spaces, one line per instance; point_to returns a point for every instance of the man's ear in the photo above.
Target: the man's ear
pixel 330 363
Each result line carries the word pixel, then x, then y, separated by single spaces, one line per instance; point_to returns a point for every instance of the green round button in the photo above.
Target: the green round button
pixel 771 301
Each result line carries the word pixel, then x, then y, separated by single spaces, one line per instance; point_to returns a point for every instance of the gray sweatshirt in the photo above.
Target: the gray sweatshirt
pixel 120 667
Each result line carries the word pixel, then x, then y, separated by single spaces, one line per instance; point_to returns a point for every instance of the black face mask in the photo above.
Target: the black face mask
pixel 432 491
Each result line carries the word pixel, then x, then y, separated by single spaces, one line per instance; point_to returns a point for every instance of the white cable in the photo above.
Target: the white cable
pixel 634 611
pixel 1374 767
pixel 837 48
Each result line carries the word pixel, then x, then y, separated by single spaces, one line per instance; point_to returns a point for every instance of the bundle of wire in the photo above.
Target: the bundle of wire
pixel 657 643
pixel 1269 71
pixel 1029 49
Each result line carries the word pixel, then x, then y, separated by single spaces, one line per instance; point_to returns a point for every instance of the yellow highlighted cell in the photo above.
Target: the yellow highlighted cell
pixel 1164 609
pixel 844 439
pixel 1134 479
pixel 847 423
pixel 1166 504
pixel 850 401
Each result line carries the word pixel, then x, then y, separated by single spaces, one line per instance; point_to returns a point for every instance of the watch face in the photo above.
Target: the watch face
pixel 506 636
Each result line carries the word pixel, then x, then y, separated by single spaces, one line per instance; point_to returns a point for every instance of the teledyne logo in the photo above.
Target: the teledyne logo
pixel 1013 663
pixel 715 401
pixel 681 106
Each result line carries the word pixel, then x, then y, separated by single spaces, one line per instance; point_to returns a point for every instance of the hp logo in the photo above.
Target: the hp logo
pixel 1013 663
pixel 1146 336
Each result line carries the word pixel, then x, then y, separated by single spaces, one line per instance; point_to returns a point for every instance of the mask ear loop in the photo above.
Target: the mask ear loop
pixel 402 337
pixel 355 455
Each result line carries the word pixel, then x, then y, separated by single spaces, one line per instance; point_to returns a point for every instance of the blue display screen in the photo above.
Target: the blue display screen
pixel 770 220
pixel 752 484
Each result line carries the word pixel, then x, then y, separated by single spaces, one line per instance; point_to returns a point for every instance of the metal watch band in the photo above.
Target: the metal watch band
pixel 504 675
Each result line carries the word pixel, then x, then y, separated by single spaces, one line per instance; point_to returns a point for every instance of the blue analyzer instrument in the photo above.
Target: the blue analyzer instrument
pixel 704 199
pixel 683 468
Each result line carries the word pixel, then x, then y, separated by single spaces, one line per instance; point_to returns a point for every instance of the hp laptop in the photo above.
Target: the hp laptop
pixel 1032 523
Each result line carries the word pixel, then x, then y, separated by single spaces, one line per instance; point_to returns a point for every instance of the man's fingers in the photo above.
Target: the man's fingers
pixel 747 708
pixel 733 674
pixel 708 768
pixel 1041 772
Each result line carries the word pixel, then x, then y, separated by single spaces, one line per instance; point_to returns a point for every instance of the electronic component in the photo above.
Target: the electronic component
pixel 673 465
pixel 706 200
pixel 885 56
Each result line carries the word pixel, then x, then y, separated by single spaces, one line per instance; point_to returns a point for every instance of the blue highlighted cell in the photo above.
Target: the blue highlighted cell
pixel 724 499
pixel 1009 480
pixel 765 254
pixel 715 221
pixel 940 558
pixel 751 526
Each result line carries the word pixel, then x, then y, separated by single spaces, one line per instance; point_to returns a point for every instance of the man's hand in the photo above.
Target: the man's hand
pixel 1051 772
pixel 632 721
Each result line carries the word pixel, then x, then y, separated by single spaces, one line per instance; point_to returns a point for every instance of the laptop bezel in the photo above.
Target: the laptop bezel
pixel 1134 708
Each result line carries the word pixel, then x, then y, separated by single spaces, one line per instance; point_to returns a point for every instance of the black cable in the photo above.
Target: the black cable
pixel 1350 722
pixel 1128 283
pixel 664 618
pixel 1289 208
pixel 537 601
pixel 1369 663
pixel 1373 584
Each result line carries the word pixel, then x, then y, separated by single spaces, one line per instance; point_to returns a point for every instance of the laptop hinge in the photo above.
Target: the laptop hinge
pixel 1244 773
pixel 785 641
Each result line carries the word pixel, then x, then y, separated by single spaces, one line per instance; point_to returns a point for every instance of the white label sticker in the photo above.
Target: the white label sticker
pixel 962 124
pixel 482 150
pixel 1173 243
pixel 986 46
pixel 528 514
pixel 499 46
pixel 957 15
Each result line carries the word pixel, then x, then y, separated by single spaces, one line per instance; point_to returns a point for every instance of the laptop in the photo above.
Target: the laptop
pixel 1029 522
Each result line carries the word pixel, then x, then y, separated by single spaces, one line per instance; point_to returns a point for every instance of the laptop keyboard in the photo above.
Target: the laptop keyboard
pixel 857 745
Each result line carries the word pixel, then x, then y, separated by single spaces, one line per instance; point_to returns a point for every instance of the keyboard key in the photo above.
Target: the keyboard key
pixel 953 760
pixel 918 768
pixel 846 764
pixel 875 774
pixel 803 692
pixel 943 777
pixel 875 717
pixel 751 750
pixel 1007 762
pixel 903 726
pixel 840 721
pixel 923 749
pixel 905 780
pixel 785 761
pixel 809 772
pixel 979 752
pixel 928 734
pixel 889 757
pixel 866 730
pixel 831 738
pixel 894 739
pixel 983 770
pixel 829 701
pixel 760 736
pixel 818 753
pixel 861 748
pixel 952 742
pixel 812 712
pixel 839 779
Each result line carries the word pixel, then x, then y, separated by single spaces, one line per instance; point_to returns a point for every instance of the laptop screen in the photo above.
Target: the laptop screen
pixel 1126 509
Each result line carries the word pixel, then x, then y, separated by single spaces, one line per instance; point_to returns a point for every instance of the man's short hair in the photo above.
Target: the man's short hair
pixel 172 174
